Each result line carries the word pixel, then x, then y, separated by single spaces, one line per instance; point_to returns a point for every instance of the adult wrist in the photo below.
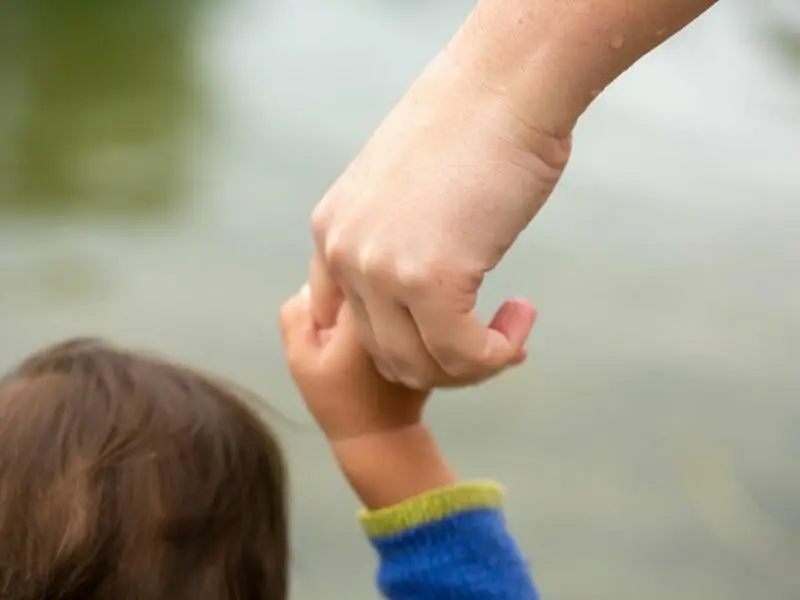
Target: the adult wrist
pixel 549 59
pixel 501 50
pixel 456 96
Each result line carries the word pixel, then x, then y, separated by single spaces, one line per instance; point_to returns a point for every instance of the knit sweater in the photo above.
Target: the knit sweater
pixel 448 544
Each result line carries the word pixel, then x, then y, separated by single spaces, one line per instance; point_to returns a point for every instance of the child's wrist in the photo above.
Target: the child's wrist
pixel 390 467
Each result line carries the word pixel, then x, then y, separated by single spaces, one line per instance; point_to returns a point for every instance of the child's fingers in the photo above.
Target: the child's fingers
pixel 344 336
pixel 297 326
pixel 294 313
pixel 325 297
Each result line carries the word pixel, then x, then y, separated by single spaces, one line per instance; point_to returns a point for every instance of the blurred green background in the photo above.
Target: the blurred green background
pixel 158 163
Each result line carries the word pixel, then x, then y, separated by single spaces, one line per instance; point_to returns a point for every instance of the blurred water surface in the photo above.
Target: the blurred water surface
pixel 158 162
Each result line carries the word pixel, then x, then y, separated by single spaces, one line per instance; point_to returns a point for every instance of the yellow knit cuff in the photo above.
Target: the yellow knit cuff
pixel 431 506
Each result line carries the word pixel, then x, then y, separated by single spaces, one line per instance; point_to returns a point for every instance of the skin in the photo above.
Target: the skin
pixel 458 169
pixel 374 427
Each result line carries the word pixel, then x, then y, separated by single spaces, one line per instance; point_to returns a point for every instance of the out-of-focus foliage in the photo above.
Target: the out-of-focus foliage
pixel 97 101
pixel 788 42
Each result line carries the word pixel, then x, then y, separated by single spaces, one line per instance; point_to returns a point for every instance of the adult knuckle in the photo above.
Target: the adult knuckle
pixel 439 273
pixel 320 220
pixel 337 252
pixel 414 277
pixel 376 265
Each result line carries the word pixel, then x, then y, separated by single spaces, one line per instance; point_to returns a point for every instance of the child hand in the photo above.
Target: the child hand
pixel 338 380
pixel 373 426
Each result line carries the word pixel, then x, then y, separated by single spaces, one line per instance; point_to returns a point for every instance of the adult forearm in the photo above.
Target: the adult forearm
pixel 548 59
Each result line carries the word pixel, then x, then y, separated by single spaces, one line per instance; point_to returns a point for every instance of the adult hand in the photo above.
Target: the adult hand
pixel 429 206
pixel 459 168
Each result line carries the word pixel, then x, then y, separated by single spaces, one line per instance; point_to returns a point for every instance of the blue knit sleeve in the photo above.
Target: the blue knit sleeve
pixel 449 544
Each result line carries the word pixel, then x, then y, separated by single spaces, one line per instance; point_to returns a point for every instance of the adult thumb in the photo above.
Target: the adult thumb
pixel 514 320
pixel 469 351
pixel 326 296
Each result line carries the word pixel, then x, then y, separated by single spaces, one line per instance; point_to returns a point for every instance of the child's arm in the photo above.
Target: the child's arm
pixel 435 538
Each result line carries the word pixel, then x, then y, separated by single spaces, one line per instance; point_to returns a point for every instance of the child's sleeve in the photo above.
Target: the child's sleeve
pixel 449 544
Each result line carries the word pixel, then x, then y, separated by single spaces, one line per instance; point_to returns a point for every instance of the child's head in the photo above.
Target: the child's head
pixel 128 478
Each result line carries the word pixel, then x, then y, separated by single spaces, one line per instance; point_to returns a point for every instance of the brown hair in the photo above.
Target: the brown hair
pixel 124 477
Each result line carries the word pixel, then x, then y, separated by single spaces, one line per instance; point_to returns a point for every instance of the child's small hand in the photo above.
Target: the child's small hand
pixel 338 380
pixel 374 427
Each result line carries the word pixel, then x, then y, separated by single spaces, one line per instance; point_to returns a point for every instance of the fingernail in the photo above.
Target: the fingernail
pixel 514 320
pixel 305 292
